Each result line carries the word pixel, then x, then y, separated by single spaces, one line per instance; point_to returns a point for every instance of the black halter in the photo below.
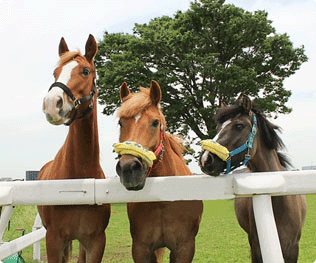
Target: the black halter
pixel 76 101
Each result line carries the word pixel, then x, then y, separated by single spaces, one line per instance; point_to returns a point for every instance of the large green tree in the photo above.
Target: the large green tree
pixel 202 57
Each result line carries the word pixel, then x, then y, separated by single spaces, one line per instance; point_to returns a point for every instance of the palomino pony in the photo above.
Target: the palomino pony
pixel 71 100
pixel 154 225
pixel 249 138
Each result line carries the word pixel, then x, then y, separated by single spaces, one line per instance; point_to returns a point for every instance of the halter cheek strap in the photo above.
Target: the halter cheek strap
pixel 76 101
pixel 246 146
pixel 159 151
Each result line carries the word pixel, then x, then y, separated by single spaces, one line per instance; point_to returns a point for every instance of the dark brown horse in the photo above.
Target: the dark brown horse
pixel 154 225
pixel 238 125
pixel 72 100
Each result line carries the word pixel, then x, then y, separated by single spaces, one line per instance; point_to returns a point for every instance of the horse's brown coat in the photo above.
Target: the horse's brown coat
pixel 289 211
pixel 154 225
pixel 78 158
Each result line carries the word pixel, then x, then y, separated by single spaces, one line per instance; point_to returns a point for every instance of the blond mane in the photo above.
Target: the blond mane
pixel 176 144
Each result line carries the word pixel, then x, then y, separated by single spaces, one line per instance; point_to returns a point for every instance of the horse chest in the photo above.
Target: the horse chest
pixel 163 222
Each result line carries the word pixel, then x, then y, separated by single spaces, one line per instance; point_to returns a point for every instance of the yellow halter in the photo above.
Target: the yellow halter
pixel 214 147
pixel 137 150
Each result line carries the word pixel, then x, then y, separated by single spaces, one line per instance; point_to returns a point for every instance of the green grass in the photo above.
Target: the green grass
pixel 220 238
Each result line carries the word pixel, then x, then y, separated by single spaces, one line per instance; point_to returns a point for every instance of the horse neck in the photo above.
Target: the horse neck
pixel 171 163
pixel 81 153
pixel 264 159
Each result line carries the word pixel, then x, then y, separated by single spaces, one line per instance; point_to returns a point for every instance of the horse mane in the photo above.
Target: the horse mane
pixel 284 160
pixel 67 56
pixel 176 144
pixel 268 131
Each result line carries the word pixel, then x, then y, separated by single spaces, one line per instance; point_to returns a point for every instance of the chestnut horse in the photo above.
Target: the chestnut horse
pixel 154 225
pixel 72 100
pixel 251 139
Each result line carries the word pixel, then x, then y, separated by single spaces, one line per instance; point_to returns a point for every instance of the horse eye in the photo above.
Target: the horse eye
pixel 239 127
pixel 85 71
pixel 155 123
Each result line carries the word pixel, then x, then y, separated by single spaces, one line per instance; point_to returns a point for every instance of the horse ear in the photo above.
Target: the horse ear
pixel 155 92
pixel 124 92
pixel 245 102
pixel 91 48
pixel 221 104
pixel 63 48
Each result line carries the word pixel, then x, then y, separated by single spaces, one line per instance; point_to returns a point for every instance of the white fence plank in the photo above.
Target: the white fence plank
pixel 170 188
pixel 7 249
pixel 275 183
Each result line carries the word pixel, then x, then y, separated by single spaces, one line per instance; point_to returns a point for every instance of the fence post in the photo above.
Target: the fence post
pixel 37 245
pixel 266 228
pixel 5 218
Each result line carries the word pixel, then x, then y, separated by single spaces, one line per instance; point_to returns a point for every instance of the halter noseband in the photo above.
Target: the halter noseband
pixel 76 101
pixel 223 153
pixel 149 157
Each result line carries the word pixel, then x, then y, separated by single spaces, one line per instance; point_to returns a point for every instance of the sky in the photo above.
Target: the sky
pixel 30 33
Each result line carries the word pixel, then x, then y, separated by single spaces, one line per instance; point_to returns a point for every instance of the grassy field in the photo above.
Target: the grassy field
pixel 220 238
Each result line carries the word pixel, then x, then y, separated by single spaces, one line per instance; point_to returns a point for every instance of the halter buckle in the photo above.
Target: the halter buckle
pixel 77 103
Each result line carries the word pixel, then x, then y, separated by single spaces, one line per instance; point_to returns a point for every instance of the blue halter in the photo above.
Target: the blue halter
pixel 247 145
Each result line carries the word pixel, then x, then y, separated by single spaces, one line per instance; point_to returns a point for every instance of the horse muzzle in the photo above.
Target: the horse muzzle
pixel 132 172
pixel 211 164
pixel 56 109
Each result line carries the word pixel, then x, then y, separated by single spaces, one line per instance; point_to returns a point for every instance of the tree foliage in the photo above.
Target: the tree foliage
pixel 201 58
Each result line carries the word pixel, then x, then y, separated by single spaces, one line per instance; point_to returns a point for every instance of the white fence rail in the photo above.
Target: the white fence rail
pixel 201 187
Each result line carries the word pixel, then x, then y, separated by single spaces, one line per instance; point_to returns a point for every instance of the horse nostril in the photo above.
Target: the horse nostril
pixel 206 159
pixel 210 159
pixel 129 168
pixel 118 169
pixel 59 103
pixel 209 164
pixel 136 166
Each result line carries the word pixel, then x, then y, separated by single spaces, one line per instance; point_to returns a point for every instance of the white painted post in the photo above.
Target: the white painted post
pixel 37 245
pixel 266 229
pixel 6 214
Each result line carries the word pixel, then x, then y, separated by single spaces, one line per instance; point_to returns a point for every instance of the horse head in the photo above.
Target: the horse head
pixel 74 87
pixel 141 133
pixel 234 142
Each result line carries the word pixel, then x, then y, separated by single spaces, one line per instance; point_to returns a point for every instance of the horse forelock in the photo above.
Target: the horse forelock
pixel 68 56
pixel 229 112
pixel 135 104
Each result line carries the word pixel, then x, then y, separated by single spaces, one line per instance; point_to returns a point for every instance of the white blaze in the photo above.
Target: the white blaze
pixel 222 128
pixel 65 74
pixel 204 158
pixel 51 99
pixel 138 117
